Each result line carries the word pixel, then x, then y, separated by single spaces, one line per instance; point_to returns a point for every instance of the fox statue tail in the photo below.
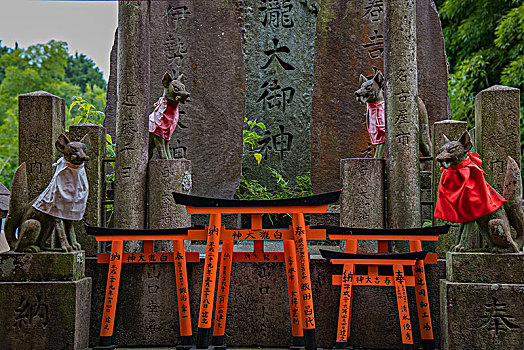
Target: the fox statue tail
pixel 513 193
pixel 18 203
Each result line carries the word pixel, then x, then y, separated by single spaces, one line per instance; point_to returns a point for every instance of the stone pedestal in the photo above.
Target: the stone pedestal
pixel 362 199
pixel 45 300
pixel 482 301
pixel 166 176
pixel 96 179
pixel 41 120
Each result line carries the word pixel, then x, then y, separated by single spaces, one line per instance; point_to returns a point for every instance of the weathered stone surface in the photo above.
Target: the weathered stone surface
pixel 350 42
pixel 432 62
pixel 41 121
pixel 279 41
pixel 482 316
pixel 96 179
pixel 147 306
pixel 497 136
pixel 132 117
pixel 44 266
pixel 402 135
pixel 111 97
pixel 45 315
pixel 255 318
pixel 165 177
pixel 363 195
pixel 485 268
pixel 203 40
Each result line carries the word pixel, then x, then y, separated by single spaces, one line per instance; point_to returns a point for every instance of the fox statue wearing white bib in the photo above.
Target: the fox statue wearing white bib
pixel 54 210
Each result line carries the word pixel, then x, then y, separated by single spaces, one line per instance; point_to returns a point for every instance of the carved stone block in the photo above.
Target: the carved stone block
pixel 45 315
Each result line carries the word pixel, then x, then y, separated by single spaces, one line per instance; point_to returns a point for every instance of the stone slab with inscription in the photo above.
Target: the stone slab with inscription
pixel 481 300
pixel 41 120
pixel 203 40
pixel 350 42
pixel 497 131
pixel 279 43
pixel 258 311
pixel 147 305
pixel 45 315
pixel 44 266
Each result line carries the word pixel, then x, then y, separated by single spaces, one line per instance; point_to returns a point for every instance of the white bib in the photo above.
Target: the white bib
pixel 66 195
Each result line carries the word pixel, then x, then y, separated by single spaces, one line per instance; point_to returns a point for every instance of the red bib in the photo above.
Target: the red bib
pixel 463 193
pixel 375 122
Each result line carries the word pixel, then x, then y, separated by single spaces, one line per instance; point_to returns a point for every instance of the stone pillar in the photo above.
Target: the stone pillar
pixel 132 116
pixel 497 134
pixel 166 176
pixel 362 199
pixel 41 120
pixel 402 146
pixel 96 179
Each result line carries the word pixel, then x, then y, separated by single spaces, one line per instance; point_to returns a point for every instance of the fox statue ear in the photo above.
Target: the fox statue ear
pixel 465 140
pixel 61 143
pixel 362 79
pixel 86 141
pixel 166 80
pixel 379 78
pixel 445 139
pixel 180 78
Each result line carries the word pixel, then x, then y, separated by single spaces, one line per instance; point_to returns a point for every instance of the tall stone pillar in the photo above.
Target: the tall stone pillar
pixel 362 199
pixel 166 176
pixel 95 178
pixel 132 111
pixel 41 120
pixel 402 149
pixel 497 131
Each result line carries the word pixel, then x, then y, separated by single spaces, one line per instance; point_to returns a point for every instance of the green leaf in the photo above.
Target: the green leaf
pixel 258 157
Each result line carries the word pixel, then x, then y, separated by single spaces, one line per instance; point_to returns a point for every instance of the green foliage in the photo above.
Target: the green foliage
pixel 87 112
pixel 81 71
pixel 484 46
pixel 252 189
pixel 38 67
pixel 250 136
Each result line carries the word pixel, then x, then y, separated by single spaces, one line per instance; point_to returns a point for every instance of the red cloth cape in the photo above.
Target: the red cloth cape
pixel 163 120
pixel 376 122
pixel 463 193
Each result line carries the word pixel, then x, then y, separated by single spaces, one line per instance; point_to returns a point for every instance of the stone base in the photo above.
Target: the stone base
pixel 258 311
pixel 45 315
pixel 482 301
pixel 482 316
pixel 45 266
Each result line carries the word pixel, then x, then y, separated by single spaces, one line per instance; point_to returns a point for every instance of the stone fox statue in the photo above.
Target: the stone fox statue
pixel 52 213
pixel 465 197
pixel 371 93
pixel 163 120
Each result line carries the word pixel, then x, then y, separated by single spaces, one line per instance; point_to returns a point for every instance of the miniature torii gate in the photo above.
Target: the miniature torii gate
pixel 295 256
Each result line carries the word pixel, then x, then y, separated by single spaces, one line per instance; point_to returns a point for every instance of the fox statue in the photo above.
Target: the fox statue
pixel 371 93
pixel 465 197
pixel 164 119
pixel 52 213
